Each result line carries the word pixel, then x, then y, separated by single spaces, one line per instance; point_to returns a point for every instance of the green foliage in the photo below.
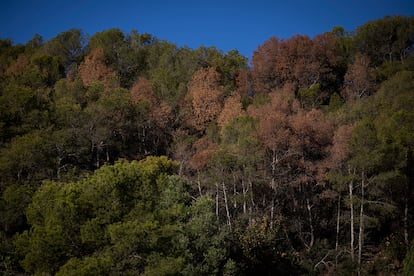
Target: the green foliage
pixel 364 143
pixel 50 68
pixel 111 41
pixel 159 265
pixel 98 211
pixel 208 248
pixel 335 102
pixel 22 109
pixel 266 251
pixel 8 53
pixel 310 97
pixel 229 65
pixel 385 39
pixel 90 265
pixel 408 267
pixel 395 99
pixel 25 158
pixel 240 142
pixel 15 198
pixel 239 130
pixel 69 46
pixel 170 69
pixel 260 99
pixel 126 54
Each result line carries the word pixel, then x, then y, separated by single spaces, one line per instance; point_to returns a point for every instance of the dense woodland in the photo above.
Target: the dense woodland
pixel 124 154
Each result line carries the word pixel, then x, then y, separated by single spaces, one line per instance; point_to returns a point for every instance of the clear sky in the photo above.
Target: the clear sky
pixel 226 24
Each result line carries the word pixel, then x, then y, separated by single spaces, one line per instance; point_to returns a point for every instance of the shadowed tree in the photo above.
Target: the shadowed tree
pixel 359 80
pixel 69 45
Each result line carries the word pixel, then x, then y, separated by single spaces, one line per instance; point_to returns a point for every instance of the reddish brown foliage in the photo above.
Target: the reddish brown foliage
pixel 232 108
pixel 160 111
pixel 204 97
pixel 265 72
pixel 340 147
pixel 142 90
pixel 294 136
pixel 94 68
pixel 299 60
pixel 244 82
pixel 359 79
pixel 203 149
pixel 274 130
pixel 314 133
pixel 21 64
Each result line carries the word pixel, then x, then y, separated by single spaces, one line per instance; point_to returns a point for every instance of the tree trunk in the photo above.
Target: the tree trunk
pixel 351 202
pixel 58 167
pixel 244 197
pixel 273 187
pixel 338 216
pixel 199 183
pixel 234 192
pixel 97 157
pixel 272 212
pixel 107 155
pixel 361 221
pixel 406 240
pixel 309 207
pixel 217 201
pixel 226 205
pixel 410 182
pixel 251 192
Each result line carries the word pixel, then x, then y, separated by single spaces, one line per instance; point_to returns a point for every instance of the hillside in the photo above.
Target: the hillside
pixel 121 153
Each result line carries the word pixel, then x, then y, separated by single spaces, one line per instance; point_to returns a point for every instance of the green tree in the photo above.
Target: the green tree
pixel 266 250
pixel 68 45
pixel 169 69
pixel 386 39
pixel 208 246
pixel 123 213
pixel 111 41
pixel 8 53
pixel 395 129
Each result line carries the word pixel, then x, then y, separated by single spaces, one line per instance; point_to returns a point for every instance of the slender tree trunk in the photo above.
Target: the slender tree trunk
pixel 410 182
pixel 217 201
pixel 199 183
pixel 351 202
pixel 234 192
pixel 180 168
pixel 361 221
pixel 338 216
pixel 406 240
pixel 58 167
pixel 274 161
pixel 244 197
pixel 251 192
pixel 309 207
pixel 227 206
pixel 272 212
pixel 97 157
pixel 273 187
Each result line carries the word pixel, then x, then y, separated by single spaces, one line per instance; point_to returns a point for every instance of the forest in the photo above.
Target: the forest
pixel 124 154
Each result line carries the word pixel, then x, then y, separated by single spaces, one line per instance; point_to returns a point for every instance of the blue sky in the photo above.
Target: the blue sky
pixel 241 25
